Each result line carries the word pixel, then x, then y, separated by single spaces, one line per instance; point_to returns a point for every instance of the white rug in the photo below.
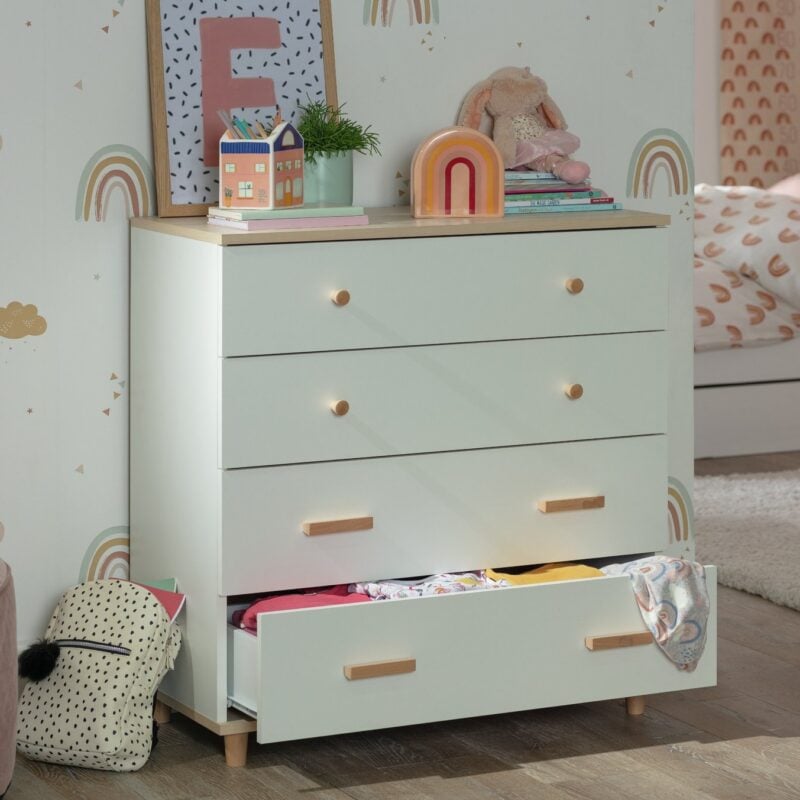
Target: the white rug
pixel 749 526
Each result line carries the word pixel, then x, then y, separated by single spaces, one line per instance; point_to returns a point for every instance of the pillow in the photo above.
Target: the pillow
pixel 753 231
pixel 790 186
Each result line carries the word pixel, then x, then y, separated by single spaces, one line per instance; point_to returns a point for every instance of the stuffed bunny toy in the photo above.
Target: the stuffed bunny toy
pixel 528 127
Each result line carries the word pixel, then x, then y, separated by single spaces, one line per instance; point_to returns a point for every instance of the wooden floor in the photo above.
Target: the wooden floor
pixel 739 740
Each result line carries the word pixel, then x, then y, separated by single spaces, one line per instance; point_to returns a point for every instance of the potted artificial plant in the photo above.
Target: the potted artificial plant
pixel 330 138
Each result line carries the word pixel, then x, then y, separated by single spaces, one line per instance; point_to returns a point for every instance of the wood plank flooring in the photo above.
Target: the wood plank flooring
pixel 739 740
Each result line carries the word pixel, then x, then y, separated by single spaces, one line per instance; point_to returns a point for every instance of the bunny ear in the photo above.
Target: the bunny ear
pixel 553 113
pixel 474 105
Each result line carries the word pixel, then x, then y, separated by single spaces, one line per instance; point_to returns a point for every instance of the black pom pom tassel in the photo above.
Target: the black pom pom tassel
pixel 38 661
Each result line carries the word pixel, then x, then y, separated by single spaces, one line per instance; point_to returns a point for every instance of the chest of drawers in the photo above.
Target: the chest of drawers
pixel 316 407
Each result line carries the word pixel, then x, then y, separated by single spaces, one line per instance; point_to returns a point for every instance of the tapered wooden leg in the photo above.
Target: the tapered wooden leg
pixel 236 749
pixel 162 713
pixel 635 705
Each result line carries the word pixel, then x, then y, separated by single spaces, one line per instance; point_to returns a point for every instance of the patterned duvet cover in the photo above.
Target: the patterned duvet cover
pixel 746 267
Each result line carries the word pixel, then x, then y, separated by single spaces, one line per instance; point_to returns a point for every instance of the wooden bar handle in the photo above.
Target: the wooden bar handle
pixel 377 669
pixel 618 640
pixel 338 526
pixel 572 504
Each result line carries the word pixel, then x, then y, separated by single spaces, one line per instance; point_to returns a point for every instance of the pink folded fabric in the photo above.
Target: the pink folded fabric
pixel 314 598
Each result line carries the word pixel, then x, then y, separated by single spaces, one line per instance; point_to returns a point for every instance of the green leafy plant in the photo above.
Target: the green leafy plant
pixel 328 131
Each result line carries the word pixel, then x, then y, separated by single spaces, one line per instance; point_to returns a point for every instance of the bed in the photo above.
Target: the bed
pixel 747 321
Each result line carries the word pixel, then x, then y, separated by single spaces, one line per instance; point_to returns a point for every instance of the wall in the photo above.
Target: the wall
pixel 77 88
pixel 621 70
pixel 706 88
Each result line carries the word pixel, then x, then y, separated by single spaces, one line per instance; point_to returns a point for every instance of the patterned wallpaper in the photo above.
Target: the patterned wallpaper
pixel 74 165
pixel 759 102
pixel 76 162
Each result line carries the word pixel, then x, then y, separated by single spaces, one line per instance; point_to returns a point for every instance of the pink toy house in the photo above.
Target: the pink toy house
pixel 262 173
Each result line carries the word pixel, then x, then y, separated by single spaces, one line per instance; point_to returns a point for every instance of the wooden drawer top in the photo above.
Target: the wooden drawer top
pixel 397 223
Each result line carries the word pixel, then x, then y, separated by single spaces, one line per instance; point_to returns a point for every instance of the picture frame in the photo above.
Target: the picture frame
pixel 207 54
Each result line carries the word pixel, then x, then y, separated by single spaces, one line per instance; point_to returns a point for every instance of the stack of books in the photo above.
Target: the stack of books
pixel 311 216
pixel 536 192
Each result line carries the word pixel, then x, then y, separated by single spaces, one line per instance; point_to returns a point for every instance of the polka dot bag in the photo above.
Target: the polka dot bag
pixel 89 700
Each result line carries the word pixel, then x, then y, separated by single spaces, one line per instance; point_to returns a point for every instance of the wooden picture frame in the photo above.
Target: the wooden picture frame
pixel 185 185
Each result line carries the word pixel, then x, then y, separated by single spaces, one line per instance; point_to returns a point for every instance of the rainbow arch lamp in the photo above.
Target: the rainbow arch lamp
pixel 457 172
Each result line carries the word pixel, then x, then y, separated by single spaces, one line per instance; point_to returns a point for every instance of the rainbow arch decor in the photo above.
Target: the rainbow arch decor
pixel 661 150
pixel 457 172
pixel 420 12
pixel 116 167
pixel 680 514
pixel 108 555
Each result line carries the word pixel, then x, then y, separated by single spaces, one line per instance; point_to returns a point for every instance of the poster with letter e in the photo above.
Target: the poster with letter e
pixel 243 57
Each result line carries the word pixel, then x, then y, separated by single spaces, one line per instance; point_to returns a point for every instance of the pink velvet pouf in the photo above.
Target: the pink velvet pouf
pixel 8 676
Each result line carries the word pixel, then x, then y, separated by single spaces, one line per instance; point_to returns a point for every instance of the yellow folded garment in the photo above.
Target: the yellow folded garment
pixel 545 574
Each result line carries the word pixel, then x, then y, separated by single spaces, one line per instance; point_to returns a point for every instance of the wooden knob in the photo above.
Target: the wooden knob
pixel 340 408
pixel 574 285
pixel 341 298
pixel 574 391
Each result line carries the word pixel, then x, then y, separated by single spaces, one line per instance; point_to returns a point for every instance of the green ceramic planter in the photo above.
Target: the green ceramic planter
pixel 329 180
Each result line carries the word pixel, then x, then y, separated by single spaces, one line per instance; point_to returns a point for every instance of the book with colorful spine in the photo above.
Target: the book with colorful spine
pixel 528 192
pixel 551 209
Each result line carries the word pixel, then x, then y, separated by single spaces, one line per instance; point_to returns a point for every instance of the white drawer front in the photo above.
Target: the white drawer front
pixel 475 653
pixel 277 409
pixel 277 298
pixel 439 512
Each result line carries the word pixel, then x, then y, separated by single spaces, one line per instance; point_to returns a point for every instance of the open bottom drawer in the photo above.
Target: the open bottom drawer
pixel 463 655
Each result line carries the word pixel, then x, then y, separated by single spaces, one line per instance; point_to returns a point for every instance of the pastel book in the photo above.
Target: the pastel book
pixel 313 210
pixel 292 223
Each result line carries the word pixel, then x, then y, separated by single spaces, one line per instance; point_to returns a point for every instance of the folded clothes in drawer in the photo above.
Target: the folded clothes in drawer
pixel 400 589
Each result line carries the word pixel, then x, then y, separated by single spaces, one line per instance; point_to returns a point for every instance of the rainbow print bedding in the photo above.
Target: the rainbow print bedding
pixel 746 267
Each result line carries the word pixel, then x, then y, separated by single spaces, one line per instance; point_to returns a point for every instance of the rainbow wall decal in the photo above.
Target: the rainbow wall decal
pixel 680 514
pixel 457 172
pixel 420 12
pixel 111 168
pixel 108 556
pixel 660 150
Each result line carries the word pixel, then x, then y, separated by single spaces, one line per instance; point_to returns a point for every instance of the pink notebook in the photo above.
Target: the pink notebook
pixel 172 601
pixel 289 224
pixel 547 187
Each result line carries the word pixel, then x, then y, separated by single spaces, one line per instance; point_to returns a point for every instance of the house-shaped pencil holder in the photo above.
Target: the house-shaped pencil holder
pixel 262 172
